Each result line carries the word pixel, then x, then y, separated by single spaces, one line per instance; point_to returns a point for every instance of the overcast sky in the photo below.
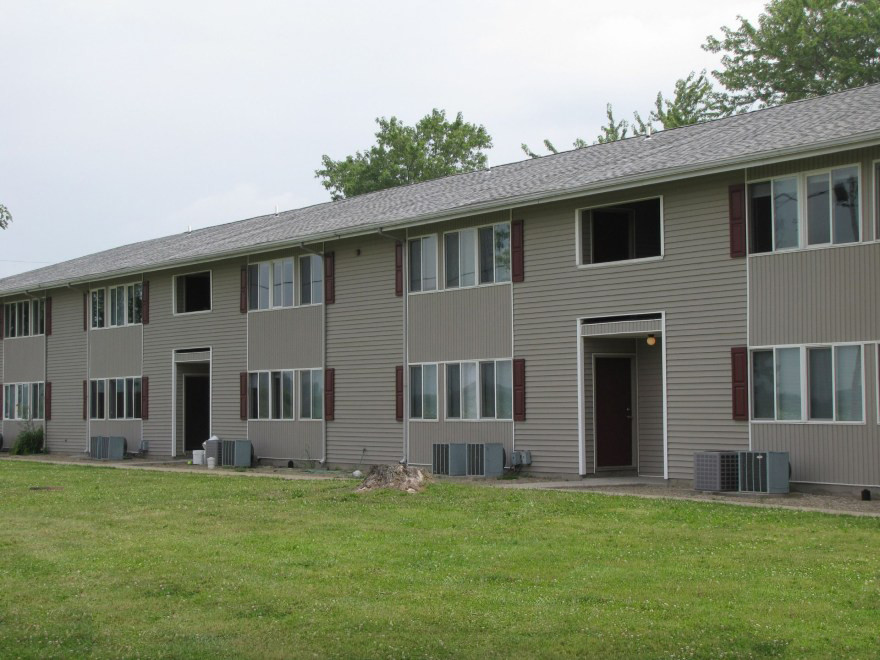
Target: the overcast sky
pixel 121 121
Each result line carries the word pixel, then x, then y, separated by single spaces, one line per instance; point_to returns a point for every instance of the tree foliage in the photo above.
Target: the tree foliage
pixel 798 49
pixel 432 148
pixel 5 217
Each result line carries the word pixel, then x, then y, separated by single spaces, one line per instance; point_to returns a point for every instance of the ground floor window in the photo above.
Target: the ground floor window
pixel 115 398
pixel 22 401
pixel 814 383
pixel 271 394
pixel 423 391
pixel 479 390
pixel 311 394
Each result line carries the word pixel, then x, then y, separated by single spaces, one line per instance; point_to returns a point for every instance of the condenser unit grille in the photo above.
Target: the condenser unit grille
pixel 763 472
pixel 476 460
pixel 716 471
pixel 440 464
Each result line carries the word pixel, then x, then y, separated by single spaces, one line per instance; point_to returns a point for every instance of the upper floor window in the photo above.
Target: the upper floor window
pixel 311 280
pixel 483 252
pixel 479 390
pixel 25 318
pixel 117 305
pixel 270 284
pixel 819 208
pixel 22 401
pixel 192 292
pixel 814 383
pixel 423 264
pixel 621 232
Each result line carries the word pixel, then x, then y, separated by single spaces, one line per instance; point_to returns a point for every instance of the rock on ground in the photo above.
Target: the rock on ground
pixel 396 477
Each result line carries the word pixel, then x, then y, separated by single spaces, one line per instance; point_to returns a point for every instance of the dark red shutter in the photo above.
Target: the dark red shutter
pixel 398 270
pixel 47 403
pixel 329 394
pixel 517 256
pixel 243 294
pixel 2 324
pixel 48 315
pixel 242 395
pixel 145 303
pixel 739 364
pixel 85 399
pixel 398 391
pixel 145 397
pixel 2 389
pixel 737 194
pixel 85 313
pixel 330 278
pixel 519 390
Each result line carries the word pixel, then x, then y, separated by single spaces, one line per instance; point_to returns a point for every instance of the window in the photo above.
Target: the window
pixel 479 390
pixel 311 274
pixel 270 395
pixel 25 318
pixel 423 391
pixel 470 251
pixel 126 304
pixel 621 232
pixel 193 293
pixel 809 209
pixel 98 308
pixel 423 264
pixel 22 401
pixel 123 398
pixel 97 402
pixel 311 394
pixel 270 284
pixel 817 383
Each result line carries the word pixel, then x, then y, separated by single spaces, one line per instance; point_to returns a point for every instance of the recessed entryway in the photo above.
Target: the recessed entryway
pixel 196 410
pixel 614 402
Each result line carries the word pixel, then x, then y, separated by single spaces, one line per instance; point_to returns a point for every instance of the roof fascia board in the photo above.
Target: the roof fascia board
pixel 658 177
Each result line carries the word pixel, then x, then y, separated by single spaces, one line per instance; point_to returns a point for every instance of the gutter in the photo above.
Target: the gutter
pixel 655 177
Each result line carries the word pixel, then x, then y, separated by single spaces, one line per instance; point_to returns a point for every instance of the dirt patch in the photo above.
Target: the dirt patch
pixel 395 477
pixel 45 488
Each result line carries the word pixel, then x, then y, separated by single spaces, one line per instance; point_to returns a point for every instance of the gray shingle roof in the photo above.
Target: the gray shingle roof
pixel 839 119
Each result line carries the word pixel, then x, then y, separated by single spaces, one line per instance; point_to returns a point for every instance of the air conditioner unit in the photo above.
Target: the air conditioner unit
pixel 485 460
pixel 235 453
pixel 716 471
pixel 449 459
pixel 520 457
pixel 763 472
pixel 105 448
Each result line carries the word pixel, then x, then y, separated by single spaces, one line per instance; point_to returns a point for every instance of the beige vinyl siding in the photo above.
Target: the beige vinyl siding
pixel 12 428
pixel 291 440
pixel 649 407
pixel 701 289
pixel 130 429
pixel 821 295
pixel 460 324
pixel 424 433
pixel 285 338
pixel 364 344
pixel 116 352
pixel 66 369
pixel 223 329
pixel 830 453
pixel 25 359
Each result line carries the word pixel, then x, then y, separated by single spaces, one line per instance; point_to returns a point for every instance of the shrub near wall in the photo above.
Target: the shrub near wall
pixel 29 441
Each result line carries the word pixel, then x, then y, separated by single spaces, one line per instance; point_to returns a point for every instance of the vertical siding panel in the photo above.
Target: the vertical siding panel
pixel 66 368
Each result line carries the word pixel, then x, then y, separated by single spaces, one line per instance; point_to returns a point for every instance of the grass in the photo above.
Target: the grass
pixel 120 563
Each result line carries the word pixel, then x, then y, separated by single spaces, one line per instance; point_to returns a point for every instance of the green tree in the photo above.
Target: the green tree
pixel 798 49
pixel 5 217
pixel 403 154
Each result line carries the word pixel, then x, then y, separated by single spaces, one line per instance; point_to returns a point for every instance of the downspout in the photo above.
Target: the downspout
pixel 88 367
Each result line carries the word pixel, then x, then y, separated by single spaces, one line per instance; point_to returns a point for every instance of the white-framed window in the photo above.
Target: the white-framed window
pixel 804 210
pixel 479 390
pixel 270 395
pixel 23 401
pixel 25 318
pixel 270 284
pixel 815 383
pixel 123 398
pixel 126 303
pixel 97 399
pixel 625 231
pixel 477 255
pixel 311 280
pixel 423 264
pixel 311 394
pixel 192 292
pixel 423 391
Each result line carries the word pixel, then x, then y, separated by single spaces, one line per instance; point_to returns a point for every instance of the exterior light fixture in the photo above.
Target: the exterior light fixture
pixel 651 340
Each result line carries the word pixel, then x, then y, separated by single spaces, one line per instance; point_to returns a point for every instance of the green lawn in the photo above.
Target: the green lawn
pixel 134 563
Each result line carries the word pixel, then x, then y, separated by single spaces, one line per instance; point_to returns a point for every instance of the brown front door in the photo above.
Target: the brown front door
pixel 614 412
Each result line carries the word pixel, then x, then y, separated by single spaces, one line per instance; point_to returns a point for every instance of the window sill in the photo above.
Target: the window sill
pixel 279 309
pixel 478 421
pixel 459 288
pixel 625 262
pixel 811 248
pixel 200 312
pixel 808 422
pixel 117 327
pixel 252 419
pixel 42 334
pixel 420 420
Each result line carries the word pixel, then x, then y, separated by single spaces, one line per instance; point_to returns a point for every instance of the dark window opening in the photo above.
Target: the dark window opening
pixel 622 232
pixel 761 217
pixel 194 292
